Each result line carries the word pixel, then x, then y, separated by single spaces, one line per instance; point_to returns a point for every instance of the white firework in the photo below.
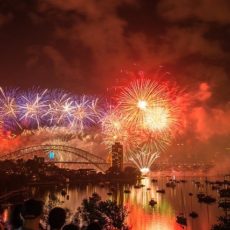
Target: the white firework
pixel 32 108
pixel 83 113
pixel 143 159
pixel 8 107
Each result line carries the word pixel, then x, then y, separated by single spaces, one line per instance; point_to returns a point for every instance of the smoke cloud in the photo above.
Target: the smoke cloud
pixel 82 46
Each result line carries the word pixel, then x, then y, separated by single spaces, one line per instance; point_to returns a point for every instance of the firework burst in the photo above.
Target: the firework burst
pixel 114 128
pixel 8 108
pixel 34 109
pixel 151 117
pixel 143 159
pixel 144 117
pixel 59 108
pixel 140 96
pixel 33 105
pixel 83 112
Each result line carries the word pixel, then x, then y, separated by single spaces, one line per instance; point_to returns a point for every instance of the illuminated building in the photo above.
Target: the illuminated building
pixel 117 156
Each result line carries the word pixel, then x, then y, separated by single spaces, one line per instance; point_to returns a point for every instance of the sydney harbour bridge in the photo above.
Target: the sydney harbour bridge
pixel 69 156
pixel 63 155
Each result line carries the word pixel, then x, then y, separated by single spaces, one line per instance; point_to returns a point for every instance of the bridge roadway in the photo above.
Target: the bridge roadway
pixel 76 162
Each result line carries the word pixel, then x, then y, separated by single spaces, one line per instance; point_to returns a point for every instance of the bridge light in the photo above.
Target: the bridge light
pixel 51 155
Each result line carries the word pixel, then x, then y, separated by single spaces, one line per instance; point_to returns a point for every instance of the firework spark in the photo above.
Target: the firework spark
pixel 114 128
pixel 83 113
pixel 59 108
pixel 150 119
pixel 157 119
pixel 143 159
pixel 138 98
pixel 47 108
pixel 8 108
pixel 32 107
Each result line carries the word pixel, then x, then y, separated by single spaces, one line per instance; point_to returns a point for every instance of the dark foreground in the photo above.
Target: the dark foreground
pixel 180 197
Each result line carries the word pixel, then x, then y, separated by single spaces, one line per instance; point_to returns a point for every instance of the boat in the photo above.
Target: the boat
pixel 225 204
pixel 154 180
pixel 207 181
pixel 112 189
pixel 148 189
pixel 198 184
pixel 204 198
pixel 137 186
pixel 215 187
pixel 181 219
pixel 152 202
pixel 224 192
pixel 220 183
pixel 127 191
pixel 109 193
pixel 63 192
pixel 207 199
pixel 171 184
pixel 160 191
pixel 193 214
pixel 200 195
pixel 102 185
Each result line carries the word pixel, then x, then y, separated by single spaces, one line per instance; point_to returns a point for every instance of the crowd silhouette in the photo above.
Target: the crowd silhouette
pixel 28 216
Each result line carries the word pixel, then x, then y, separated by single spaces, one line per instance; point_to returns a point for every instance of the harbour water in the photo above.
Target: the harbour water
pixel 141 215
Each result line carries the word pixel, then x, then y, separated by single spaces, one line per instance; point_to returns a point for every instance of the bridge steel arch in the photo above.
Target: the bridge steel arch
pixel 88 157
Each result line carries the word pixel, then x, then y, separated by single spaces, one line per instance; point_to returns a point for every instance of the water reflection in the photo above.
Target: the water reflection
pixel 141 215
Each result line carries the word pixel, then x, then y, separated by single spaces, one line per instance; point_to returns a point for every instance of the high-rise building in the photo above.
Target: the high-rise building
pixel 117 156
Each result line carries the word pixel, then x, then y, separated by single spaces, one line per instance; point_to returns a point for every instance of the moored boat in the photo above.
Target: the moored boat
pixel 160 191
pixel 181 219
pixel 152 202
pixel 193 214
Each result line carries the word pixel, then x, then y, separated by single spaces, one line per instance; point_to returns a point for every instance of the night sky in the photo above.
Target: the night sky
pixel 82 46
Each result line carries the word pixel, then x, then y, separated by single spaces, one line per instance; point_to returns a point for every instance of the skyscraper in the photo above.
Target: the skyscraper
pixel 117 156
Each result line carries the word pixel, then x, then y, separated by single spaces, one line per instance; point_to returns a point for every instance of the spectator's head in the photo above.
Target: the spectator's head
pixel 15 218
pixel 1 214
pixel 32 209
pixel 56 218
pixel 93 226
pixel 70 227
pixel 1 210
pixel 31 213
